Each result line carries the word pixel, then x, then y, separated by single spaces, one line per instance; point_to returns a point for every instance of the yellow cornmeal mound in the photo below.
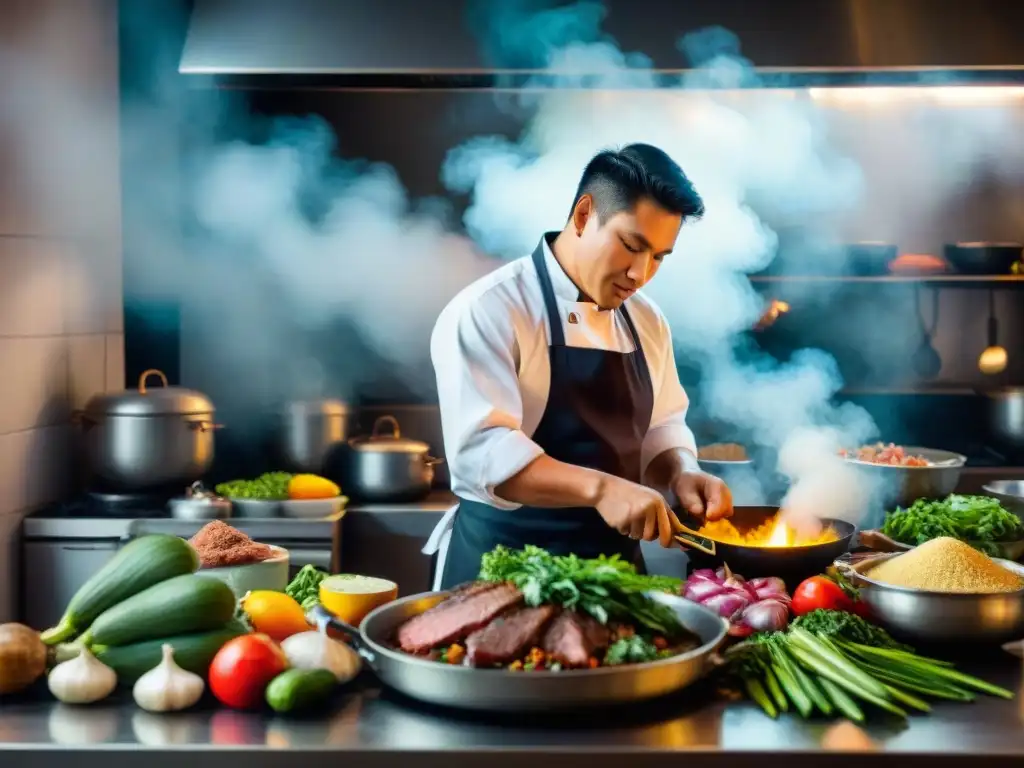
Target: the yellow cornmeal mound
pixel 946 565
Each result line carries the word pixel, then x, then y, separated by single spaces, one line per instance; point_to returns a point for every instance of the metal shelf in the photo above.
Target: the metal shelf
pixel 938 281
pixel 910 391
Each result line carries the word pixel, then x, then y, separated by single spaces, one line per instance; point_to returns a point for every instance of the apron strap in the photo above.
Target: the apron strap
pixel 548 291
pixel 641 358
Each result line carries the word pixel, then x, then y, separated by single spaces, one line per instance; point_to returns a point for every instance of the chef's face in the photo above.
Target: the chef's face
pixel 615 258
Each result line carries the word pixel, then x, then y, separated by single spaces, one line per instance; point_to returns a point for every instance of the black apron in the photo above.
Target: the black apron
pixel 598 411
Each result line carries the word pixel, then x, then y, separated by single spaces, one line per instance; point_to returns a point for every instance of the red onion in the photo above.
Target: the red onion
pixel 766 616
pixel 769 587
pixel 727 605
pixel 758 605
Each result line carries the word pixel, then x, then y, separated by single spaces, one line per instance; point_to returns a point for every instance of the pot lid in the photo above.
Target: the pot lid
pixel 147 401
pixel 379 440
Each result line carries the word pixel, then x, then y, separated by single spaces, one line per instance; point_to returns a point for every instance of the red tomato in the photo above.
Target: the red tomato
pixel 819 592
pixel 243 668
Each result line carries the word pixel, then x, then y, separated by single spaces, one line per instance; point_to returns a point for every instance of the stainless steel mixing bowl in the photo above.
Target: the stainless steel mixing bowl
pixel 1009 493
pixel 938 617
pixel 905 485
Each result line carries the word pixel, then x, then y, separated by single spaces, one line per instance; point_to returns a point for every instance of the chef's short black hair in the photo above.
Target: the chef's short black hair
pixel 617 179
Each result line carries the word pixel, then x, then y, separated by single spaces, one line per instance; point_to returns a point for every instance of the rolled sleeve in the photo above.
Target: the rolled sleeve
pixel 668 429
pixel 473 352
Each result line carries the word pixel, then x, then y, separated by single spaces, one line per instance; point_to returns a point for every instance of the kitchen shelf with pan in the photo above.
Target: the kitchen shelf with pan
pixel 938 281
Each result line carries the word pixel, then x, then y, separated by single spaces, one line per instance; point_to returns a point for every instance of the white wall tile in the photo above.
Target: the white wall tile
pixel 92 289
pixel 87 364
pixel 31 288
pixel 34 382
pixel 34 468
pixel 114 379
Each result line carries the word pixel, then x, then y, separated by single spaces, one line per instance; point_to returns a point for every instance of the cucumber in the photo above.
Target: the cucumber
pixel 193 652
pixel 138 565
pixel 298 689
pixel 178 606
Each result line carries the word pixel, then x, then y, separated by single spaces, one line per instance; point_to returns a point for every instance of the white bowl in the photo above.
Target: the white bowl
pixel 269 574
pixel 313 509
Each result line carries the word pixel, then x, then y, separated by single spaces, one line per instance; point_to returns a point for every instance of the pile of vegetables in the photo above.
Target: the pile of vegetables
pixel 147 621
pixel 978 520
pixel 758 605
pixel 607 588
pixel 834 662
pixel 278 486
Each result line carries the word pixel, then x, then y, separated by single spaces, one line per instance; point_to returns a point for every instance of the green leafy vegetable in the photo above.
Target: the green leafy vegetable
pixel 305 587
pixel 270 486
pixel 607 588
pixel 840 625
pixel 979 520
pixel 631 650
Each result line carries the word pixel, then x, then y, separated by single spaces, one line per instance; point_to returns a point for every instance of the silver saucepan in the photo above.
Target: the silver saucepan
pixel 388 467
pixel 502 690
pixel 145 438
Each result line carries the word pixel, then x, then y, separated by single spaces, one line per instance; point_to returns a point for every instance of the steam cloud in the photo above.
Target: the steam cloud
pixel 289 243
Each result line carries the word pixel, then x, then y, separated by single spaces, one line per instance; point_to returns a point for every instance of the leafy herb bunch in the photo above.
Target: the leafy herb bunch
pixel 607 588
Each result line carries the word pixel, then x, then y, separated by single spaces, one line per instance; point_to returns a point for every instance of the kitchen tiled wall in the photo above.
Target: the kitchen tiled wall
pixel 61 318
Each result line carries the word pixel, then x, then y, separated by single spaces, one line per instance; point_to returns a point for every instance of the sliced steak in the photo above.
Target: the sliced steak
pixel 573 638
pixel 508 637
pixel 456 617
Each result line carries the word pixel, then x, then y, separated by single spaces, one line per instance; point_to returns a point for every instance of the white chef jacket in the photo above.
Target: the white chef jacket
pixel 489 348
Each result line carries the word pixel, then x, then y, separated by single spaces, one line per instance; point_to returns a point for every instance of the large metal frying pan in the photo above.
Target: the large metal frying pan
pixel 791 564
pixel 499 690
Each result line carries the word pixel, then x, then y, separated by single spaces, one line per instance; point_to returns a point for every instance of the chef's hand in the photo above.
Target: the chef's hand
pixel 703 496
pixel 635 510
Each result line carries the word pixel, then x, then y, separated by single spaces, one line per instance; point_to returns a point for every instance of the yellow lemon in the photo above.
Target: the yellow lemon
pixel 351 597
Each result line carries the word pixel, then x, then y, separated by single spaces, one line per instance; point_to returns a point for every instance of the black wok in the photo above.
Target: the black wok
pixel 791 564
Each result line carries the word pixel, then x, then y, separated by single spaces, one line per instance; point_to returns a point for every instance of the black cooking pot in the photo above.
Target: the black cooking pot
pixel 791 564
pixel 983 258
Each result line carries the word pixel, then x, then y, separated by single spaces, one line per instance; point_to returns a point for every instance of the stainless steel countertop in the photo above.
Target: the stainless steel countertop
pixel 48 525
pixel 369 727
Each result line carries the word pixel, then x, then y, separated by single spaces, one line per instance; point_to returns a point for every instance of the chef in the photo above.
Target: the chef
pixel 563 417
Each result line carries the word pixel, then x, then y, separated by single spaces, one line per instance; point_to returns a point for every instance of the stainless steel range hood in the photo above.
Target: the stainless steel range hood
pixel 429 43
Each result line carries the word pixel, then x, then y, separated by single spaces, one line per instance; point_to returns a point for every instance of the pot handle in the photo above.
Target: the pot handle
pixel 690 541
pixel 204 426
pixel 380 422
pixel 323 620
pixel 146 374
pixel 432 461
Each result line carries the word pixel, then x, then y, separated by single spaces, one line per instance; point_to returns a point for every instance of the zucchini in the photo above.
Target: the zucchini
pixel 300 689
pixel 178 606
pixel 138 565
pixel 193 652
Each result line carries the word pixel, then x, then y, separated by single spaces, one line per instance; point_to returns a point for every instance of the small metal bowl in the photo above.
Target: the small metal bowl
pixel 256 508
pixel 199 508
pixel 938 617
pixel 1009 493
pixel 908 484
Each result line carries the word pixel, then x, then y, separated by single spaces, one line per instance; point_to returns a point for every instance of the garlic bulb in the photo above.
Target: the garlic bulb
pixel 313 650
pixel 82 680
pixel 167 687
